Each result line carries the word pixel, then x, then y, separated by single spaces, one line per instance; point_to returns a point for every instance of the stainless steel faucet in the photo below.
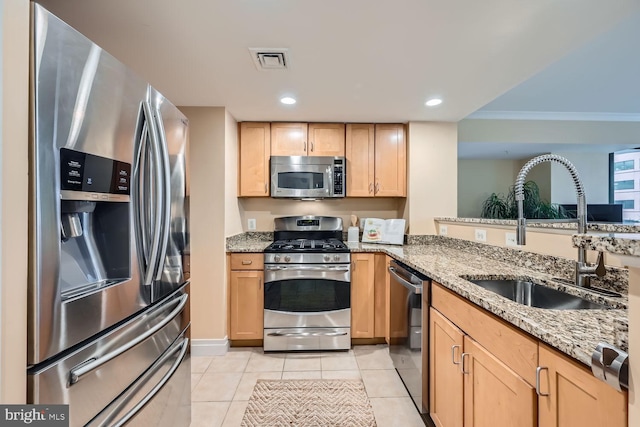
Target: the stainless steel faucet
pixel 584 270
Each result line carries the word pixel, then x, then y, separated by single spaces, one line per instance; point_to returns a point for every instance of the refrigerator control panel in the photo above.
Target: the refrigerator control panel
pixel 93 174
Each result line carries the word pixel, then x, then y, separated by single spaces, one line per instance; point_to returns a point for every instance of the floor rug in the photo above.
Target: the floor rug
pixel 303 403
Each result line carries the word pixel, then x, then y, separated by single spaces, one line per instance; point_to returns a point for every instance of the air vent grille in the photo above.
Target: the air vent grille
pixel 270 58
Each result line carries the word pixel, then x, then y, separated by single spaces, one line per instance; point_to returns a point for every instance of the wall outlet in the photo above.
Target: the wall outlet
pixel 251 223
pixel 481 235
pixel 510 239
pixel 443 230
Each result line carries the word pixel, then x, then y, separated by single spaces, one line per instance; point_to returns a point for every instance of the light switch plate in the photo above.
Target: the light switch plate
pixel 481 235
pixel 510 239
pixel 251 223
pixel 443 230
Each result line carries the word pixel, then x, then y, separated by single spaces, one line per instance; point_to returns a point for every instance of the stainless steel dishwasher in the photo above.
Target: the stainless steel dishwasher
pixel 408 288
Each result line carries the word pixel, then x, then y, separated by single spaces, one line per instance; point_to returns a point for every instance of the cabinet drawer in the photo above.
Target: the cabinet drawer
pixel 514 348
pixel 247 261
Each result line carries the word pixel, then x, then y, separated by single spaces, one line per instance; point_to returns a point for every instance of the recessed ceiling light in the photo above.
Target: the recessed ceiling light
pixel 287 100
pixel 433 102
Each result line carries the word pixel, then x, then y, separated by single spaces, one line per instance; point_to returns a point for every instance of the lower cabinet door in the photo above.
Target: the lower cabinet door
pixel 445 374
pixel 494 395
pixel 247 305
pixel 572 397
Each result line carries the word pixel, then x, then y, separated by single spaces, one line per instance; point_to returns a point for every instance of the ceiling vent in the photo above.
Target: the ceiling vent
pixel 270 58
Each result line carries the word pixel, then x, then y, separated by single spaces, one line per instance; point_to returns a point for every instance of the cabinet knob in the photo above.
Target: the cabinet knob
pixel 453 354
pixel 247 262
pixel 462 363
pixel 265 188
pixel 371 187
pixel 305 146
pixel 377 187
pixel 311 145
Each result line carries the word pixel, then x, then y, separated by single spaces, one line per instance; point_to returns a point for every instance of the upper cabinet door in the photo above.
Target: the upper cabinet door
pixel 255 151
pixel 390 161
pixel 326 139
pixel 289 139
pixel 360 160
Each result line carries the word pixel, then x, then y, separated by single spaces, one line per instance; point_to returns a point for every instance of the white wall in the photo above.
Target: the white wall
pixel 593 169
pixel 232 216
pixel 432 174
pixel 14 178
pixel 207 216
pixel 478 178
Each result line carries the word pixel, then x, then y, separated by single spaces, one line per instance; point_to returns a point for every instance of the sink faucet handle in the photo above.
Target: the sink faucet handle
pixel 601 269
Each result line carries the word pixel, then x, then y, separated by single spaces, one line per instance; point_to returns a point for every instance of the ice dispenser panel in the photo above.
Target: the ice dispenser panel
pixel 95 229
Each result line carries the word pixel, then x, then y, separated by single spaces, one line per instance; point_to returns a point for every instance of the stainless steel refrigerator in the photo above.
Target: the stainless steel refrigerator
pixel 108 326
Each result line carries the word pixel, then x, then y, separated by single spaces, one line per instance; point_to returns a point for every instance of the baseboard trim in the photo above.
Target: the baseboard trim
pixel 217 347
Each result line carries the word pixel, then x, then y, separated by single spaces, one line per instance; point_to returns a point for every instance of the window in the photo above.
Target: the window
pixel 623 185
pixel 626 204
pixel 624 165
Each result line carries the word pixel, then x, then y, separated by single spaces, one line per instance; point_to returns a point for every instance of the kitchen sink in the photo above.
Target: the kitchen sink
pixel 534 295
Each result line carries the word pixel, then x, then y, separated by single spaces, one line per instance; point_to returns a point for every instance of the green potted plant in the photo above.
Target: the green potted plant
pixel 497 206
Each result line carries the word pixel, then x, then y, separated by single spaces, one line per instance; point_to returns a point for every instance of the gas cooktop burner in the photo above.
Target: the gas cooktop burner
pixel 307 245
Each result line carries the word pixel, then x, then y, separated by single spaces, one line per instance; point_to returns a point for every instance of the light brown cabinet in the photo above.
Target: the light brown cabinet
pixel 362 295
pixel 495 364
pixel 369 295
pixel 302 139
pixel 253 159
pixel 446 392
pixel 376 160
pixel 246 296
pixel 570 396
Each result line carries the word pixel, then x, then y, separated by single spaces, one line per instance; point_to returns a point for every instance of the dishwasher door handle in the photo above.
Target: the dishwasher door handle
pixel 416 289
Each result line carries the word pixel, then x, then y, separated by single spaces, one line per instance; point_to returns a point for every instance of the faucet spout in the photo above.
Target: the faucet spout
pixel 583 269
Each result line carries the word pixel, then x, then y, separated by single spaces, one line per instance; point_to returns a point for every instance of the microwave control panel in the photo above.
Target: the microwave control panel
pixel 338 177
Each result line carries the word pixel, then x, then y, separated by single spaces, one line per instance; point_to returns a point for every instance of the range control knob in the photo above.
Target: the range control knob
pixel 287 258
pixel 336 257
pixel 276 258
pixel 326 258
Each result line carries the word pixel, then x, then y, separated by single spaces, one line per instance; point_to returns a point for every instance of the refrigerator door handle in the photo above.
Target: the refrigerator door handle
pixel 158 193
pixel 166 190
pixel 182 348
pixel 140 198
pixel 87 366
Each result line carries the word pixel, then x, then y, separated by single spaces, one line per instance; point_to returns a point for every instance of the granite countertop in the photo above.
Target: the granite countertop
pixel 591 226
pixel 574 332
pixel 621 244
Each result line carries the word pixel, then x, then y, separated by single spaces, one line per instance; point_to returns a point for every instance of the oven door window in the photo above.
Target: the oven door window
pixel 301 180
pixel 307 295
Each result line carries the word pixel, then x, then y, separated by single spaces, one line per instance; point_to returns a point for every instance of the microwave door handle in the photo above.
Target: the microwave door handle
pixel 157 194
pixel 165 187
pixel 330 180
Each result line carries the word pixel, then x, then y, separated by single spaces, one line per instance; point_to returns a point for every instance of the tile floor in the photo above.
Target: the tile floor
pixel 221 385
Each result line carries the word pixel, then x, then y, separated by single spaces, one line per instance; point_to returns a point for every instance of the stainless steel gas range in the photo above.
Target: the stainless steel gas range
pixel 307 289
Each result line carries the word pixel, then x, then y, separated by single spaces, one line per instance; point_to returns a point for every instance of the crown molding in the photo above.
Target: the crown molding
pixel 550 115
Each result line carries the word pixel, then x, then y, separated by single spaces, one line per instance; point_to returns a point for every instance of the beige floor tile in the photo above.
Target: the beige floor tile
pixel 235 413
pixel 199 364
pixel 341 375
pixel 383 383
pixel 208 414
pixel 302 375
pixel 195 378
pixel 395 412
pixel 337 353
pixel 248 381
pixel 231 362
pixel 373 357
pixel 302 364
pixel 269 362
pixel 216 387
pixel 334 363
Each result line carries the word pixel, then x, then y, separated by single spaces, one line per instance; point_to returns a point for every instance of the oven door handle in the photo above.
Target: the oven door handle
pixel 307 268
pixel 416 289
pixel 307 334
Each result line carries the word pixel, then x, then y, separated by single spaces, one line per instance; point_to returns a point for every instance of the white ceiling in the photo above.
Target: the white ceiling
pixel 355 60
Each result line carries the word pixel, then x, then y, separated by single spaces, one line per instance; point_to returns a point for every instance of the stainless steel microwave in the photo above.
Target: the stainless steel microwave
pixel 308 177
